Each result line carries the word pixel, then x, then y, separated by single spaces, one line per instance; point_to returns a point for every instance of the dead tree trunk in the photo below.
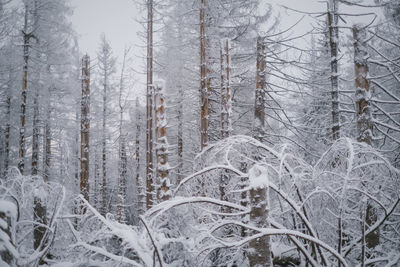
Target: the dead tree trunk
pixel 363 94
pixel 85 128
pixel 95 191
pixel 35 133
pixel 123 160
pixel 180 135
pixel 27 36
pixel 162 145
pixel 225 90
pixel 204 79
pixel 104 147
pixel 141 194
pixel 149 108
pixel 259 105
pixel 8 126
pixel 123 165
pixel 77 146
pixel 333 43
pixel 365 123
pixel 260 248
pixel 39 207
pixel 225 111
pixel 47 146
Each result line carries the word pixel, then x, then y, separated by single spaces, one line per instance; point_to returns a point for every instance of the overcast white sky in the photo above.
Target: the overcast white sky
pixel 118 19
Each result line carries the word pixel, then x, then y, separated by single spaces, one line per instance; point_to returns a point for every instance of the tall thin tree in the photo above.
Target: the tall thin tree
pixel 333 43
pixel 85 127
pixel 149 108
pixel 161 144
pixel 204 79
pixel 27 35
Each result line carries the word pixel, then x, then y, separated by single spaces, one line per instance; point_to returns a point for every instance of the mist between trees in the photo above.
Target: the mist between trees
pixel 250 144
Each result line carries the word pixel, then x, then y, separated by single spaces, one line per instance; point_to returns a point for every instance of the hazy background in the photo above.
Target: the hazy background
pixel 120 20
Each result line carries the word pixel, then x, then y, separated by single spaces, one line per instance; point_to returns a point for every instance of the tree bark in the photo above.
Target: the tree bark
pixel 104 146
pixel 225 112
pixel 162 145
pixel 35 133
pixel 47 146
pixel 149 108
pixel 333 43
pixel 123 161
pixel 204 79
pixel 141 206
pixel 180 135
pixel 8 127
pixel 26 45
pixel 260 248
pixel 85 128
pixel 225 91
pixel 365 123
pixel 259 105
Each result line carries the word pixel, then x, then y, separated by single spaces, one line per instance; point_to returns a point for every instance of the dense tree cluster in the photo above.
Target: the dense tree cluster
pixel 250 144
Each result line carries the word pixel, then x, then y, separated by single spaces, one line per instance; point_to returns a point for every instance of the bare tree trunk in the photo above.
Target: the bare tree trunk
pixel 225 91
pixel 76 147
pixel 35 133
pixel 123 161
pixel 26 36
pixel 333 43
pixel 85 128
pixel 162 145
pixel 180 135
pixel 365 123
pixel 204 79
pixel 149 108
pixel 39 207
pixel 47 146
pixel 8 127
pixel 259 105
pixel 141 207
pixel 225 111
pixel 95 191
pixel 363 95
pixel 104 148
pixel 121 213
pixel 260 248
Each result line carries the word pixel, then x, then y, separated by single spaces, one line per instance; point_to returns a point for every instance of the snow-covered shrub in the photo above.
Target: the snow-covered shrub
pixel 343 209
pixel 25 191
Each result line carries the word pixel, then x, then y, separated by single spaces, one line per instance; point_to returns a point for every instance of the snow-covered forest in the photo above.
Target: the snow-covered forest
pixel 244 140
